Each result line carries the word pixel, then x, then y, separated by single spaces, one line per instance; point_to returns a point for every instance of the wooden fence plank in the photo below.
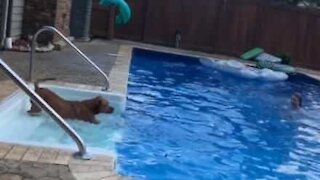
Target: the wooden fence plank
pixel 200 24
pixel 282 32
pixel 237 27
pixel 163 18
pixel 135 28
pixel 312 54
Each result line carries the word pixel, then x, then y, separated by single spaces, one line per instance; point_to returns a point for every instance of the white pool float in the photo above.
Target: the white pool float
pixel 237 68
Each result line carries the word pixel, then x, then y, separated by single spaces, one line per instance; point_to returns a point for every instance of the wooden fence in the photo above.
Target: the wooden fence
pixel 228 27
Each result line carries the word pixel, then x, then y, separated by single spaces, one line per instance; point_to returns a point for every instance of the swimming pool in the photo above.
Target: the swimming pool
pixel 17 126
pixel 187 121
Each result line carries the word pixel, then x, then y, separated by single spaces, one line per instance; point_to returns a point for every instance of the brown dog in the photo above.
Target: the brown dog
pixel 81 110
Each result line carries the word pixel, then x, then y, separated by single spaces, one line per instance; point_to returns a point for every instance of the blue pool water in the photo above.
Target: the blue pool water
pixel 187 121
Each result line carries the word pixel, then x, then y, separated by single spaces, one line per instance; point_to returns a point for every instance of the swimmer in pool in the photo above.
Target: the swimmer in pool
pixel 296 101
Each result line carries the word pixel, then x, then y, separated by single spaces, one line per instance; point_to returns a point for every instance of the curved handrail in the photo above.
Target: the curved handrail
pixel 47 108
pixel 86 58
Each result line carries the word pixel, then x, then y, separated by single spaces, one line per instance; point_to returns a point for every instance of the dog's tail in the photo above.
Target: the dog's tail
pixel 36 83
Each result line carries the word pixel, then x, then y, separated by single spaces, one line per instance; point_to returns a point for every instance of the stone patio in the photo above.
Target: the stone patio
pixel 16 170
pixel 34 163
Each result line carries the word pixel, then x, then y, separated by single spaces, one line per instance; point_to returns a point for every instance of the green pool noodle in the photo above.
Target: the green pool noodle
pixel 124 10
pixel 251 53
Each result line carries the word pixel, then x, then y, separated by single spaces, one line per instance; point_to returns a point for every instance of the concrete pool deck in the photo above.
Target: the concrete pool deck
pixel 26 162
pixel 66 65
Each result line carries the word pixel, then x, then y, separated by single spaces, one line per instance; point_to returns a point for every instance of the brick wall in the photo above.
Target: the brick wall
pixel 40 13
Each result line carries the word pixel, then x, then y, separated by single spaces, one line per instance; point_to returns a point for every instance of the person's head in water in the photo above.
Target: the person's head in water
pixel 296 101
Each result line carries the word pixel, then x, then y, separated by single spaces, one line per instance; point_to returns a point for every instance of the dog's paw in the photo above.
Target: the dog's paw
pixel 31 113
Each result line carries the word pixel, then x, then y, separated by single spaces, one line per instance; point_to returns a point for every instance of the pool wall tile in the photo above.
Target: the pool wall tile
pixel 63 158
pixel 48 156
pixel 4 149
pixel 16 153
pixel 33 154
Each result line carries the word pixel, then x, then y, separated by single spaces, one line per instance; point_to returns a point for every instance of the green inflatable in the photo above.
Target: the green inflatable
pixel 124 10
pixel 276 67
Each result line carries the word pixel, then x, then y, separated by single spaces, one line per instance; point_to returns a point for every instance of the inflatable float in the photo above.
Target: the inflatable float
pixel 265 60
pixel 276 67
pixel 124 10
pixel 239 69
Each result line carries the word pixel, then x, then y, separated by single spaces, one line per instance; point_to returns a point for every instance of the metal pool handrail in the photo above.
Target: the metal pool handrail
pixel 86 58
pixel 82 153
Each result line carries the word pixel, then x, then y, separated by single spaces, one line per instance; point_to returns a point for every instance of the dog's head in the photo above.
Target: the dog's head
pixel 102 106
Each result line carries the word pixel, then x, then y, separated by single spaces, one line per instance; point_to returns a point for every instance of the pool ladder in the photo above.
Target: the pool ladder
pixel 86 58
pixel 82 153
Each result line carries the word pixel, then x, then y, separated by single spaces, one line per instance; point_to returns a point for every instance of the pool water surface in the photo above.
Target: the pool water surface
pixel 184 120
pixel 17 126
